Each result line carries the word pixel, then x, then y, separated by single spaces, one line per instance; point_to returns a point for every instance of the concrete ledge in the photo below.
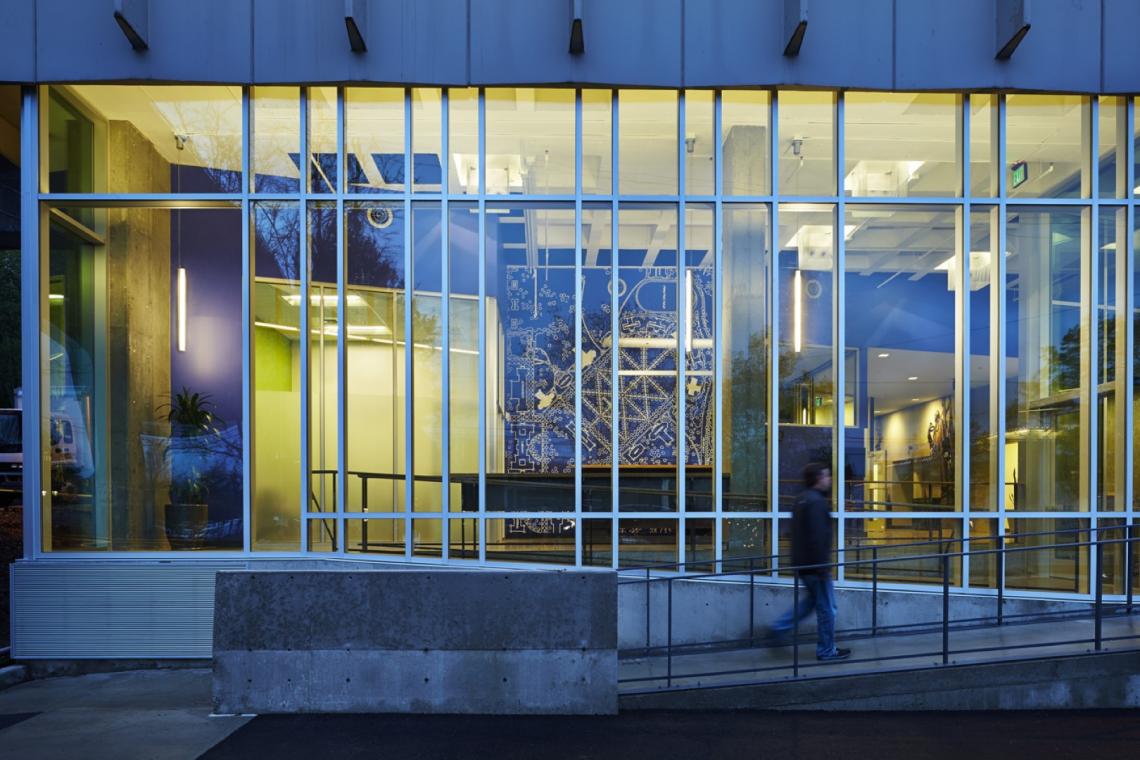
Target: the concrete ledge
pixel 415 641
pixel 1081 682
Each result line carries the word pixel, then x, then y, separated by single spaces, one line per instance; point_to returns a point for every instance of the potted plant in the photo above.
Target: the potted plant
pixel 193 433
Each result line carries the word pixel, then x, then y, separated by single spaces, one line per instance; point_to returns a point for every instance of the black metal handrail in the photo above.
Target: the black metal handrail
pixel 1097 545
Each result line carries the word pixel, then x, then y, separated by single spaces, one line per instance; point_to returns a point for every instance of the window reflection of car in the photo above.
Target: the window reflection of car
pixel 11 457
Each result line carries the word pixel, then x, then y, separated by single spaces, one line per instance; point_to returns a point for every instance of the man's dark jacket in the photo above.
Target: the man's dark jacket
pixel 811 531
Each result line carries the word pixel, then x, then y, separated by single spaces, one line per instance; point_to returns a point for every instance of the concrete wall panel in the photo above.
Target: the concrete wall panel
pixel 200 41
pixel 416 641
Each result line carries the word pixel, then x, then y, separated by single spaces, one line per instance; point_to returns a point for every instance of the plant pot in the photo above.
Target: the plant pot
pixel 186 525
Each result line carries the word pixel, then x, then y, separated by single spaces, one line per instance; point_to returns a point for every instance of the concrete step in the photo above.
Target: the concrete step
pixel 12 675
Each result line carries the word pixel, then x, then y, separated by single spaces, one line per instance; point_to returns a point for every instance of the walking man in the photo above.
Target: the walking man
pixel 811 545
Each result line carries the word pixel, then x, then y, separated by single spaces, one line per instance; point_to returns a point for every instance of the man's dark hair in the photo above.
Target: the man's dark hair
pixel 813 471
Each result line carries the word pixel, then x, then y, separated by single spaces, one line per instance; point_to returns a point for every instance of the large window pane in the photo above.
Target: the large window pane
pixel 374 140
pixel 427 138
pixel 746 544
pixel 597 142
pixel 901 331
pixel 1049 556
pixel 426 357
pixel 277 377
pixel 144 139
pixel 647 147
pixel 597 359
pixel 1047 146
pixel 530 141
pixel 744 121
pixel 699 380
pixel 745 334
pixel 375 353
pixel 903 144
pixel 807 143
pixel 548 540
pixel 530 371
pixel 1043 464
pixel 276 139
pixel 463 141
pixel 699 144
pixel 1111 157
pixel 906 549
pixel 464 360
pixel 646 542
pixel 323 170
pixel 980 432
pixel 647 358
pixel 323 374
pixel 983 145
pixel 144 373
pixel 807 398
pixel 1111 353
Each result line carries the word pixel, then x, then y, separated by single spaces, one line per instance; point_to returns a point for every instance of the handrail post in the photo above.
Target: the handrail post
pixel 1128 559
pixel 945 609
pixel 751 602
pixel 1001 583
pixel 647 612
pixel 796 625
pixel 1099 592
pixel 669 639
pixel 874 590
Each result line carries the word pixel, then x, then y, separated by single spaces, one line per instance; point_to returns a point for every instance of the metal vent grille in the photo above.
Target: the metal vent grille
pixel 109 609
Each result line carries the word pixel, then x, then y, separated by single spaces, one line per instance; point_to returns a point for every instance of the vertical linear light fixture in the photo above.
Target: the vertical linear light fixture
pixel 797 313
pixel 181 308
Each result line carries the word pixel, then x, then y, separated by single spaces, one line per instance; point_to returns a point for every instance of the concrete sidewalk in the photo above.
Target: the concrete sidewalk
pixel 165 714
pixel 160 714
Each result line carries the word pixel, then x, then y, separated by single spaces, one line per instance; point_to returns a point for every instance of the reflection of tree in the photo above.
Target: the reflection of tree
pixel 277 230
pixel 206 129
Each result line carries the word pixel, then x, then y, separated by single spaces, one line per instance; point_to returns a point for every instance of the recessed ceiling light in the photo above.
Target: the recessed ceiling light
pixel 913 377
pixel 884 355
pixel 916 399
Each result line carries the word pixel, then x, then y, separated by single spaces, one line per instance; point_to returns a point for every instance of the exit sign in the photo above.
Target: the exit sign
pixel 1018 173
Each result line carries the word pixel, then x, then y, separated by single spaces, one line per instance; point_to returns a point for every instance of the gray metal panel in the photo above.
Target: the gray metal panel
pixel 200 41
pixel 632 42
pixel 1121 64
pixel 944 45
pixel 1061 52
pixel 107 609
pixel 739 43
pixel 298 41
pixel 17 53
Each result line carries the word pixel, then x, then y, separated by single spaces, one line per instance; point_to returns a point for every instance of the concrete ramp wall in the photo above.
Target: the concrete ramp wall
pixel 415 641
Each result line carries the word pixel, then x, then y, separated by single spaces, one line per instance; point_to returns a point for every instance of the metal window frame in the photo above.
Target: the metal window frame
pixel 33 314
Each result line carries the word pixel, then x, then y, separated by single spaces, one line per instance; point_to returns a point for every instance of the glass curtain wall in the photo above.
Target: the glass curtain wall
pixel 588 327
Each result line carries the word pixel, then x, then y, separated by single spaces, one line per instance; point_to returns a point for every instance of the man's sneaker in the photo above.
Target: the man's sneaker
pixel 838 654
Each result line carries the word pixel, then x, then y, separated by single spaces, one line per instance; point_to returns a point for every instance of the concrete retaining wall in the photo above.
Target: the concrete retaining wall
pixel 707 611
pixel 1088 682
pixel 415 641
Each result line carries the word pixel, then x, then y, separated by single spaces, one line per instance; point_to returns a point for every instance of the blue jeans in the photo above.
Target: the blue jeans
pixel 816 592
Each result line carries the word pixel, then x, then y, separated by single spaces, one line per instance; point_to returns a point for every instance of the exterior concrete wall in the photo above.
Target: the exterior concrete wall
pixel 1075 45
pixel 710 611
pixel 416 641
pixel 1104 681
